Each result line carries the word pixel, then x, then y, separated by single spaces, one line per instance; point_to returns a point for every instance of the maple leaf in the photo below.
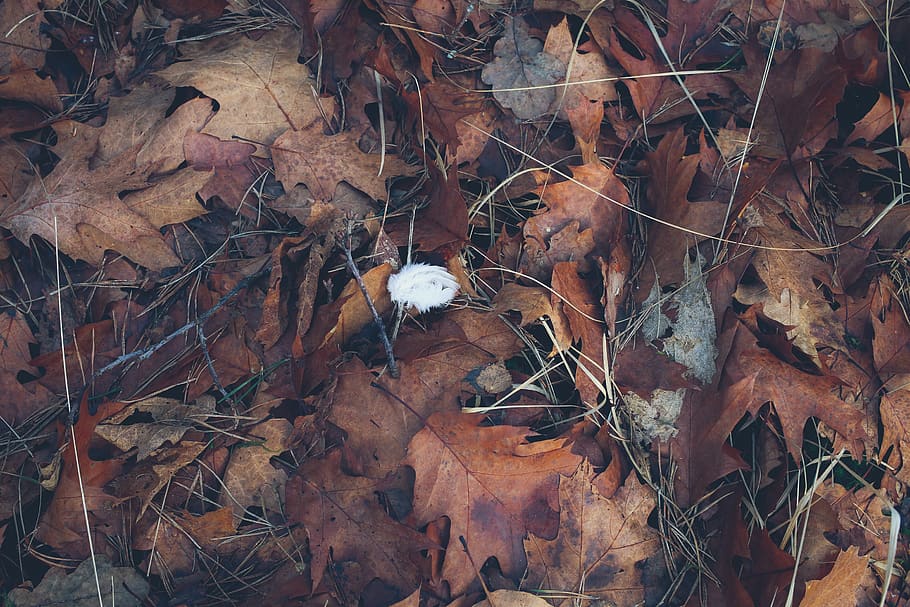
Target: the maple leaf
pixel 604 548
pixel 260 86
pixel 346 522
pixel 671 174
pixel 521 66
pixel 321 162
pixel 91 216
pixel 469 473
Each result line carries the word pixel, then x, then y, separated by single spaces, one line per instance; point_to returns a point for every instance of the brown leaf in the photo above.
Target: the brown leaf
pixel 436 368
pixel 321 162
pixel 797 116
pixel 26 86
pixel 24 43
pixel 468 473
pixel 521 71
pixel 346 522
pixel 176 539
pixel 840 587
pixel 671 173
pixel 77 589
pixel 62 525
pixel 20 400
pixel 581 70
pixel 260 86
pixel 250 478
pixel 796 395
pixel 511 598
pixel 604 548
pixel 92 218
pixel 590 203
pixel 206 153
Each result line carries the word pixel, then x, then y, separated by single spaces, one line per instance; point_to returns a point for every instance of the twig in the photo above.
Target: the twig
pixel 377 319
pixel 146 353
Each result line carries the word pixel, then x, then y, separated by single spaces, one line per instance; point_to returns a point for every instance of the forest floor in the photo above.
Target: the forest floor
pixel 649 345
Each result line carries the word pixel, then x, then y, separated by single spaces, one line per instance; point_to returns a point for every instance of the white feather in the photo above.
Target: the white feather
pixel 422 286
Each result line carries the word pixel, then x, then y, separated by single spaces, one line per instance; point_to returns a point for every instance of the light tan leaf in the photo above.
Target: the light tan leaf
pixel 261 87
pixel 250 478
pixel 840 586
pixel 91 217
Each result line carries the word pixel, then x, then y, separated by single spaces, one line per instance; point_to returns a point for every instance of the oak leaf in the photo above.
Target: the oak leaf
pixel 20 400
pixel 604 548
pixel 91 215
pixel 260 86
pixel 671 173
pixel 436 368
pixel 345 521
pixel 250 478
pixel 841 587
pixel 321 162
pixel 493 485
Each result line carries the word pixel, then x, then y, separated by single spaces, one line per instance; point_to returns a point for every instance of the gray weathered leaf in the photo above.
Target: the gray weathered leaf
pixel 521 64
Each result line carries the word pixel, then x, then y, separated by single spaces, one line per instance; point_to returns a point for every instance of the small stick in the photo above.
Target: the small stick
pixel 377 319
pixel 146 353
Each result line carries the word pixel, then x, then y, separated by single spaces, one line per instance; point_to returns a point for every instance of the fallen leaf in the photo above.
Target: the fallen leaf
pixel 436 368
pixel 321 162
pixel 63 524
pixel 250 478
pixel 670 174
pixel 605 547
pixel 796 116
pixel 592 203
pixel 796 395
pixel 170 421
pixel 583 70
pixel 468 473
pixel 20 400
pixel 261 88
pixel 511 598
pixel 840 587
pixel 123 586
pixel 521 72
pixel 345 521
pixel 92 217
pixel 175 541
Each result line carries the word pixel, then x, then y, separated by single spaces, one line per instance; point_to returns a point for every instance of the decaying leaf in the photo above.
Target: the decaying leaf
pixel 468 473
pixel 122 586
pixel 605 547
pixel 522 72
pixel 260 86
pixel 251 479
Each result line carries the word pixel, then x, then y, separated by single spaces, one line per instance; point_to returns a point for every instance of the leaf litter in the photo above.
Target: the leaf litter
pixel 679 338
